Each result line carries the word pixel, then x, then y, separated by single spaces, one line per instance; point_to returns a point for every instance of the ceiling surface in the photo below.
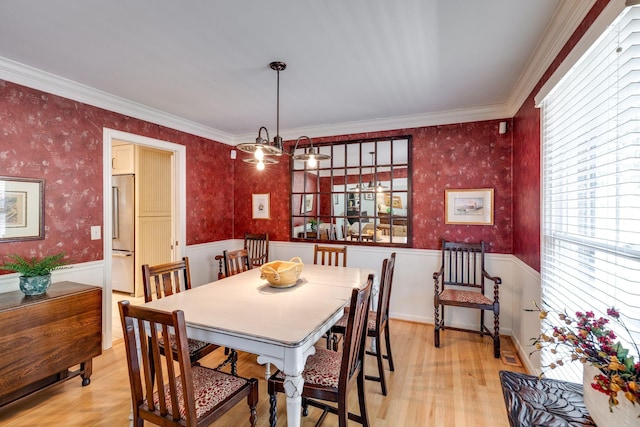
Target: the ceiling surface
pixel 355 65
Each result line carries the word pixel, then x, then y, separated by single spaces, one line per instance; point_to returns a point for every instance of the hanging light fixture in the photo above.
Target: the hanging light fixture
pixel 264 147
pixel 310 155
pixel 373 185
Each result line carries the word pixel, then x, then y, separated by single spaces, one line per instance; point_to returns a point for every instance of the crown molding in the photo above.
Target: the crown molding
pixel 568 15
pixel 18 73
pixel 492 112
pixel 566 19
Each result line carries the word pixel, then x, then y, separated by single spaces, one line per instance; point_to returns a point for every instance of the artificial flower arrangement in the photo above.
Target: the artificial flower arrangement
pixel 587 339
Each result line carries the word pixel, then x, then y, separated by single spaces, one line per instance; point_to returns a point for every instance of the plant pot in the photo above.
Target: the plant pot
pixel 622 415
pixel 36 285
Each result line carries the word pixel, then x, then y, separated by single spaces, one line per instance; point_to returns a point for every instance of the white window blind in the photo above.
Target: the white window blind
pixel 591 186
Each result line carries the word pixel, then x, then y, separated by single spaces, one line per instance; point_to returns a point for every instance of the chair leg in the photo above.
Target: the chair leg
pixel 361 399
pixel 383 383
pixel 388 345
pixel 436 328
pixel 496 337
pixel 273 412
pixel 252 401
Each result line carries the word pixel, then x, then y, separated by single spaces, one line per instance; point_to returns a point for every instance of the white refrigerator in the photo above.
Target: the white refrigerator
pixel 123 237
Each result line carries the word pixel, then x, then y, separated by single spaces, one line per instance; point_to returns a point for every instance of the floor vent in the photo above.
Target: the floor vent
pixel 510 358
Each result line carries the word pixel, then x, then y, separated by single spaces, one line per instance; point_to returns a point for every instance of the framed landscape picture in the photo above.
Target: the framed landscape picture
pixel 472 207
pixel 21 209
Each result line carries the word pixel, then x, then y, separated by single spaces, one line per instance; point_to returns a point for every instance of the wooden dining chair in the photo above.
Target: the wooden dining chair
pixel 329 375
pixel 460 282
pixel 236 262
pixel 175 393
pixel 330 255
pixel 257 245
pixel 167 279
pixel 378 324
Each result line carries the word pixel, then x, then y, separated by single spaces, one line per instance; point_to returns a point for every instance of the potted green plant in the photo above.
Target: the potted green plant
pixel 35 272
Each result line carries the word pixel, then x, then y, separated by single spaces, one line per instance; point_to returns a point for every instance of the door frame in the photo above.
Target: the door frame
pixel 179 211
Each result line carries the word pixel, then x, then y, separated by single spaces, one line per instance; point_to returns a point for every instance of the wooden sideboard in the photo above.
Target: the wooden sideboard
pixel 47 339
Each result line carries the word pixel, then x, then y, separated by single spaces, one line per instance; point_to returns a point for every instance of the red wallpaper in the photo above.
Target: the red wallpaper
pixel 526 155
pixel 470 155
pixel 60 140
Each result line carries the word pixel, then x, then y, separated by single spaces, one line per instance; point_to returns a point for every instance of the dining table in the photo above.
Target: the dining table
pixel 280 325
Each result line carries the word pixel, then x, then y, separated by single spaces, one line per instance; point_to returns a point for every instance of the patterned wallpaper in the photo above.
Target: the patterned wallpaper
pixel 470 155
pixel 60 140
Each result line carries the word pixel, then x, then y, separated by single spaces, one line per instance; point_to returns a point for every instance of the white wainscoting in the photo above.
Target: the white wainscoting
pixel 412 296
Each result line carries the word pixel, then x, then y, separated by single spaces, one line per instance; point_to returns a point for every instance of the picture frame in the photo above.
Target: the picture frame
pixel 260 206
pixel 469 206
pixel 368 196
pixel 307 203
pixel 21 209
pixel 394 202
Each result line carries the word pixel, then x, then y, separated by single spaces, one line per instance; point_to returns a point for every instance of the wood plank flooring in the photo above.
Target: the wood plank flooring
pixel 456 385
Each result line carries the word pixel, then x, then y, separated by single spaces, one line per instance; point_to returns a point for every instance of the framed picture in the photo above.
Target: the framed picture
pixel 260 206
pixel 474 206
pixel 394 202
pixel 307 203
pixel 368 196
pixel 21 209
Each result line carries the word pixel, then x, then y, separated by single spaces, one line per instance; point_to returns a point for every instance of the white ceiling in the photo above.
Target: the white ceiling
pixel 352 66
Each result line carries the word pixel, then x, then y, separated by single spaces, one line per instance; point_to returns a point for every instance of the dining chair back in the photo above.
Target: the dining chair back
pixel 330 255
pixel 377 324
pixel 167 279
pixel 460 282
pixel 236 262
pixel 329 375
pixel 171 392
pixel 257 246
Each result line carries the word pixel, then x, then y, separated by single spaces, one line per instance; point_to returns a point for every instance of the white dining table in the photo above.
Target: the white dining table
pixel 280 325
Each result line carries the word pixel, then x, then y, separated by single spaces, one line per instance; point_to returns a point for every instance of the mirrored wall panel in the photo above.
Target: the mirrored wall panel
pixel 361 195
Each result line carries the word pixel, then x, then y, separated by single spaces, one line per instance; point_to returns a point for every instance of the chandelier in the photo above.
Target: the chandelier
pixel 373 185
pixel 263 147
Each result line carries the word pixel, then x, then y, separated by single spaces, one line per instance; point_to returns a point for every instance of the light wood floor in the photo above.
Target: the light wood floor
pixel 456 385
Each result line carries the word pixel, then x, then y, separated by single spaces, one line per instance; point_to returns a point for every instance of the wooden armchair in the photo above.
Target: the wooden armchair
pixel 169 393
pixel 460 282
pixel 233 262
pixel 257 245
pixel 329 375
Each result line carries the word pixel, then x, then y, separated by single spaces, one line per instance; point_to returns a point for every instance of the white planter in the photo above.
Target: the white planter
pixel 622 415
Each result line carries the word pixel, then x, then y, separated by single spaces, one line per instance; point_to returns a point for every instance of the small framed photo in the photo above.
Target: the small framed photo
pixel 368 195
pixel 21 209
pixel 260 206
pixel 307 203
pixel 471 207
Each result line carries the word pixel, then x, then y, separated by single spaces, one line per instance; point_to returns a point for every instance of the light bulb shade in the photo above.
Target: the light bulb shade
pixel 262 145
pixel 310 155
pixel 265 161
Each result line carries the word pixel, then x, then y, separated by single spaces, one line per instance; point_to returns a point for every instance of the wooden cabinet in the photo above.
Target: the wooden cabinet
pixel 123 159
pixel 43 338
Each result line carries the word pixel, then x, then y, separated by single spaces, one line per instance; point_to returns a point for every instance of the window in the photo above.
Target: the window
pixel 361 195
pixel 591 185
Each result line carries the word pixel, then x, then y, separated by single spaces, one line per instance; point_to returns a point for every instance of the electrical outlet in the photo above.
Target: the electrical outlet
pixel 95 232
